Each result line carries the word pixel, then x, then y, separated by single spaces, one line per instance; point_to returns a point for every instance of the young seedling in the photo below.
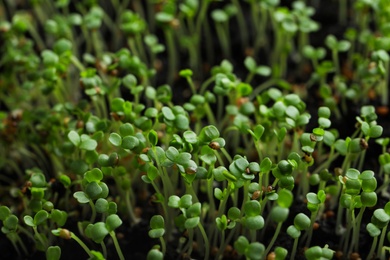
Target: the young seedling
pixel 254 250
pixel 301 222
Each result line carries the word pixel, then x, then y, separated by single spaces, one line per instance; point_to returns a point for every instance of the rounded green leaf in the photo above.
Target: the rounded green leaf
pixel 314 252
pixel 312 198
pixel 112 222
pixel 301 221
pixel 11 222
pixel 168 114
pixel 115 139
pixel 130 142
pixel 4 212
pixel 59 217
pixel 234 213
pixel 285 198
pixel 279 214
pixel 241 244
pixel 255 251
pixel 185 201
pixel 194 210
pixel 324 112
pixel 182 122
pixel 53 253
pixel 208 133
pixel 285 167
pixel 126 129
pixel 81 197
pixel 265 165
pixel 252 208
pixel 98 232
pixel 156 222
pixel 280 253
pixel 191 222
pixel 190 137
pixel 93 175
pixel 293 232
pixel 101 205
pixel 93 190
pixel 174 201
pixel 242 164
pixel 292 112
pixel 368 199
pixel 40 217
pixel 369 185
pixel 155 254
pixel 286 182
pixel 221 222
pixel 352 186
pixel 38 180
pixel 373 230
pixel 129 81
pixel 375 131
pixel 380 218
pixel 183 158
pixel 88 144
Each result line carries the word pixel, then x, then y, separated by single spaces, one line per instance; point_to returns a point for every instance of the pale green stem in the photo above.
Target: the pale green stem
pixel 381 240
pixel 116 244
pixel 38 235
pixel 163 246
pixel 373 246
pixel 294 251
pixel 206 241
pixel 275 236
pixel 81 243
pixel 93 216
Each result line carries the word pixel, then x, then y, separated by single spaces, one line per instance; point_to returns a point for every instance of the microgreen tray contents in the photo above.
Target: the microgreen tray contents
pixel 194 129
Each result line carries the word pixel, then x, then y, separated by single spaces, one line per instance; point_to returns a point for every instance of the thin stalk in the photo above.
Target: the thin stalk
pixel 373 246
pixel 201 16
pixel 336 64
pixel 294 251
pixel 221 248
pixel 190 241
pixel 227 155
pixel 170 43
pixel 310 230
pixel 385 87
pixel 104 249
pixel 191 84
pixel 356 231
pixel 97 44
pixel 380 244
pixel 20 241
pixel 241 24
pixel 211 198
pixel 116 244
pixel 130 208
pixel 347 234
pixel 132 44
pixel 223 39
pixel 16 247
pixel 81 243
pixel 93 216
pixel 206 241
pixel 339 219
pixel 275 236
pixel 38 235
pixel 163 245
pixel 222 204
